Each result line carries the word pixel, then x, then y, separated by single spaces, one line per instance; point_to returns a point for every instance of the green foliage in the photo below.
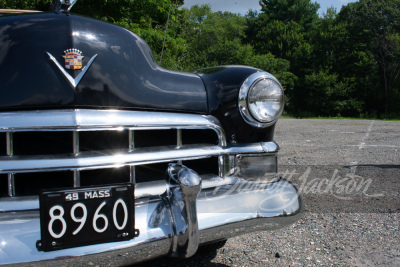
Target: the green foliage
pixel 43 5
pixel 328 96
pixel 303 12
pixel 212 38
pixel 146 13
pixel 279 38
pixel 373 27
pixel 346 63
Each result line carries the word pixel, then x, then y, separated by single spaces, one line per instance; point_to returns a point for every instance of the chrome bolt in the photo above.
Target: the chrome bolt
pixel 53 243
pixel 124 234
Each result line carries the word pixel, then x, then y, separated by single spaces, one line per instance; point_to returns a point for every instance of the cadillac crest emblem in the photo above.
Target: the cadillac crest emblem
pixel 73 59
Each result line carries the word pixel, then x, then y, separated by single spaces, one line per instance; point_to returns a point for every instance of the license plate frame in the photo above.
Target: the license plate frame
pixel 110 216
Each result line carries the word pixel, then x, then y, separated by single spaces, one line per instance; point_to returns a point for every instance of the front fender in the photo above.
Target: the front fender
pixel 222 86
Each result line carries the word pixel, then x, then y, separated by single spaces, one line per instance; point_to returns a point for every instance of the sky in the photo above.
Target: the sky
pixel 242 6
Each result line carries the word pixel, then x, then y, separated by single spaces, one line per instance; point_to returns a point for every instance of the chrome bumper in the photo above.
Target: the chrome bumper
pixel 174 216
pixel 168 224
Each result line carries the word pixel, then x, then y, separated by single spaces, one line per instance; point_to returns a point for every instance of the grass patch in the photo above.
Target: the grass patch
pixel 305 115
pixel 340 118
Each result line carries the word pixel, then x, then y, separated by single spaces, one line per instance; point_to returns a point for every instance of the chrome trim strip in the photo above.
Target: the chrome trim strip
pixel 131 140
pixel 91 160
pixel 10 176
pixel 268 206
pixel 75 140
pixel 77 174
pixel 132 174
pixel 10 143
pixel 221 166
pixel 11 184
pixel 85 119
pixel 100 120
pixel 179 137
pixel 243 96
pixel 132 169
pixel 11 204
pixel 77 178
pixel 179 141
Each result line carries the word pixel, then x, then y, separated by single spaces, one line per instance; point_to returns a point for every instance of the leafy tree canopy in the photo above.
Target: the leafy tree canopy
pixel 374 28
pixel 303 12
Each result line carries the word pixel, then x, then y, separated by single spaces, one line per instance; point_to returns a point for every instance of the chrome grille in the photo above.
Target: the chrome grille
pixel 72 148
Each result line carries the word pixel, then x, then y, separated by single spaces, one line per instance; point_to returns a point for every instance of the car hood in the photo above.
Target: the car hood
pixel 118 69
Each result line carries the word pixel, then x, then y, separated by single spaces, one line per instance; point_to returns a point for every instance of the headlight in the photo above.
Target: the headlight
pixel 261 99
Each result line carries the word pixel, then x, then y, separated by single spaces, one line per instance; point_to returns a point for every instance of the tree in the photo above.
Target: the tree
pixel 373 27
pixel 388 56
pixel 283 29
pixel 216 38
pixel 213 38
pixel 303 12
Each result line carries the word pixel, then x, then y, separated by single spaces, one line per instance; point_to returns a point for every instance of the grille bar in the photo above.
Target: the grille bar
pixel 131 140
pixel 11 185
pixel 10 143
pixel 96 160
pixel 179 141
pixel 75 145
pixel 91 160
pixel 102 120
pixel 132 173
pixel 179 137
pixel 10 176
pixel 77 178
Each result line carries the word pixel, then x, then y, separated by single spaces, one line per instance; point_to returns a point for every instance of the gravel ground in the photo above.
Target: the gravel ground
pixel 342 224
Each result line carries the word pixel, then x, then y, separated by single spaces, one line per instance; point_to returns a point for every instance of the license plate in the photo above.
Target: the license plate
pixel 85 216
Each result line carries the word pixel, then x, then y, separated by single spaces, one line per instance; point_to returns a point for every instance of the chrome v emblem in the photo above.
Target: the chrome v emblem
pixel 73 82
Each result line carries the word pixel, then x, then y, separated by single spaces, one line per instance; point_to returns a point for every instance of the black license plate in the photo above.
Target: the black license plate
pixel 86 215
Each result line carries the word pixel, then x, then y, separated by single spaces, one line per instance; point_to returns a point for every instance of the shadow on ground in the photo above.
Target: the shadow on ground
pixel 199 259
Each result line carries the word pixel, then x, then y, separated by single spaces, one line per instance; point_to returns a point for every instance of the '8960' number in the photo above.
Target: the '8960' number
pixel 57 213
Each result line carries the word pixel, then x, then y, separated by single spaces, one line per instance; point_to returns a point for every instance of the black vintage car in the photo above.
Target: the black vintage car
pixel 106 155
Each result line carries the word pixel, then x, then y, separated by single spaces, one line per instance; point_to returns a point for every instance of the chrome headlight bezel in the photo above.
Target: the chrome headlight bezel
pixel 244 91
